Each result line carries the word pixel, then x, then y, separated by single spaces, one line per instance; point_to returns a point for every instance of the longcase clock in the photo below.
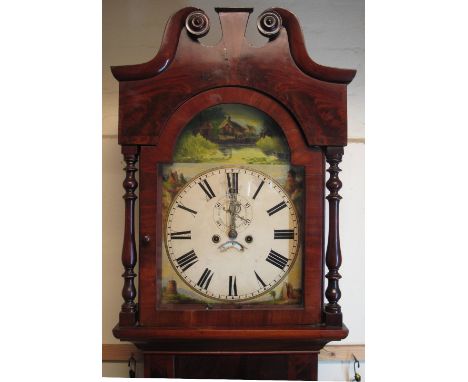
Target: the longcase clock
pixel 231 142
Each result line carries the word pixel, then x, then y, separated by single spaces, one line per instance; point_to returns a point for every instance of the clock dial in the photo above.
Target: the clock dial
pixel 232 234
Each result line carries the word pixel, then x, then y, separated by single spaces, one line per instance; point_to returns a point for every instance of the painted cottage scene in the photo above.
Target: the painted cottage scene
pixel 232 133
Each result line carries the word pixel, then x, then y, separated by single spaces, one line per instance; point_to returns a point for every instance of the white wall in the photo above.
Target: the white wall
pixel 334 33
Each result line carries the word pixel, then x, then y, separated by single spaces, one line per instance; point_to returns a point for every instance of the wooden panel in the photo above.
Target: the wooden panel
pixel 122 352
pixel 158 365
pixel 119 352
pixel 232 367
pixel 342 353
pixel 302 367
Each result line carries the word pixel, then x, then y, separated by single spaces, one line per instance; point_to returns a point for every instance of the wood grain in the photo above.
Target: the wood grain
pixel 150 93
pixel 122 352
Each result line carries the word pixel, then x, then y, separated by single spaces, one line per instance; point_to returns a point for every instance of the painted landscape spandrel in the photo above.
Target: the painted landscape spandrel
pixel 232 134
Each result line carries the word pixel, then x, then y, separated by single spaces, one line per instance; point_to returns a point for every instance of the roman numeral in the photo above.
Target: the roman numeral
pixel 232 286
pixel 181 235
pixel 207 189
pixel 232 179
pixel 284 234
pixel 260 279
pixel 205 279
pixel 187 209
pixel 277 260
pixel 187 260
pixel 275 209
pixel 258 190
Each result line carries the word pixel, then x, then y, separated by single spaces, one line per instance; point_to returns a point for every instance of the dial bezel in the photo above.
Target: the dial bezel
pixel 298 230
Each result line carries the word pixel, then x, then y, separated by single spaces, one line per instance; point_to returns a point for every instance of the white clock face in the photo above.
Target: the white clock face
pixel 232 234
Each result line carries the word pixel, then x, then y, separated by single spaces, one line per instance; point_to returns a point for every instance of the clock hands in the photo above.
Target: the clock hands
pixel 237 213
pixel 243 218
pixel 234 208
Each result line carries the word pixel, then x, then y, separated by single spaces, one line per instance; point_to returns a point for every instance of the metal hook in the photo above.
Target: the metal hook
pixel 132 366
pixel 356 361
pixel 357 377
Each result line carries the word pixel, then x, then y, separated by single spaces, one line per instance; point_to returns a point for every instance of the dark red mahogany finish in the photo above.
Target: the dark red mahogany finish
pixel 151 92
pixel 128 312
pixel 156 101
pixel 313 163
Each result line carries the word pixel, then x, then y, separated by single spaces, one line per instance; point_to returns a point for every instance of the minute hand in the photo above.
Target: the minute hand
pixel 232 218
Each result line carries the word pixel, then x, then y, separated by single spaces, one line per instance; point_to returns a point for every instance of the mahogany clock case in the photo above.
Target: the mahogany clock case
pixel 150 310
pixel 156 101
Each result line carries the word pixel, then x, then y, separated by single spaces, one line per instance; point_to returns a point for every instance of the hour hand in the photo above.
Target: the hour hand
pixel 232 182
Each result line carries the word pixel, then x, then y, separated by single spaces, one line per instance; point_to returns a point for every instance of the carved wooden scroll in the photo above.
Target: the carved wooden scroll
pixel 333 315
pixel 150 93
pixel 128 313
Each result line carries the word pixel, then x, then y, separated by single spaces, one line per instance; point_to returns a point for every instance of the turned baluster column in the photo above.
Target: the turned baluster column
pixel 128 313
pixel 332 313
